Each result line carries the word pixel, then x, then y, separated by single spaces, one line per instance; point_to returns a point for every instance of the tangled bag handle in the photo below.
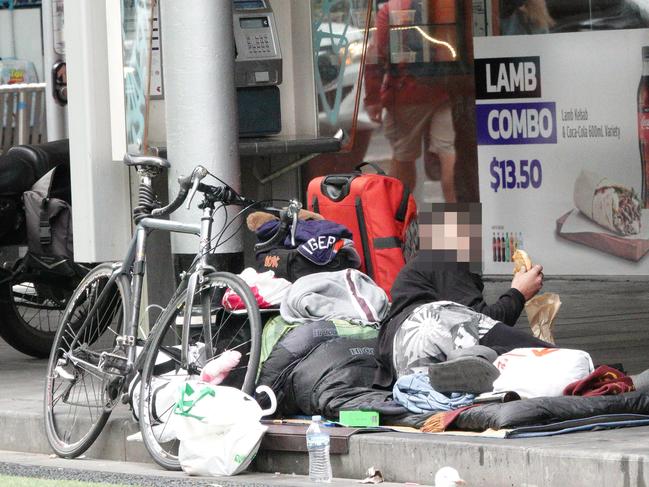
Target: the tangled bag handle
pixel 184 405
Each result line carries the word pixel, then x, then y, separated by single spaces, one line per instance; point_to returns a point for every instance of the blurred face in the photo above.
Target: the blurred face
pixel 454 232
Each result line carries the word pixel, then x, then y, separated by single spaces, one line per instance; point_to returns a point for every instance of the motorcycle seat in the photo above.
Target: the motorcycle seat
pixel 23 165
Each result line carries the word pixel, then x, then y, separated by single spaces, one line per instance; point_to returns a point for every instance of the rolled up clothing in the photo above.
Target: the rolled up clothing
pixel 604 380
pixel 348 295
pixel 608 204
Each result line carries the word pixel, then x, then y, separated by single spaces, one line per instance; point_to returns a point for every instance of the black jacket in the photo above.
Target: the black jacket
pixel 423 281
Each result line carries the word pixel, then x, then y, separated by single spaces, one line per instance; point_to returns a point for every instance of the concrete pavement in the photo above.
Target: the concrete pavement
pixel 139 474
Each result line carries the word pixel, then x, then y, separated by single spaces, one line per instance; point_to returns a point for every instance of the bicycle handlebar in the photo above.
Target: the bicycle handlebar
pixel 227 196
pixel 185 183
pixel 280 234
pixel 287 222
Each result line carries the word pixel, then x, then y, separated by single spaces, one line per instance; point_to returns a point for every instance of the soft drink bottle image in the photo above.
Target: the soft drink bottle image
pixel 498 248
pixel 643 125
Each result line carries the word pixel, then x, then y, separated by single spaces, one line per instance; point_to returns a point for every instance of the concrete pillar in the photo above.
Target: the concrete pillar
pixel 100 187
pixel 201 108
pixel 57 123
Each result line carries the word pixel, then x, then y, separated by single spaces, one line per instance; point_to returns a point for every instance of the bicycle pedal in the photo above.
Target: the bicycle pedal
pixel 113 363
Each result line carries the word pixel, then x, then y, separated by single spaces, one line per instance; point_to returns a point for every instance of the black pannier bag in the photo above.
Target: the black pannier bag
pixel 48 219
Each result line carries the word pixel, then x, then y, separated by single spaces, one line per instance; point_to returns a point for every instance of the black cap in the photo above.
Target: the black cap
pixel 645 52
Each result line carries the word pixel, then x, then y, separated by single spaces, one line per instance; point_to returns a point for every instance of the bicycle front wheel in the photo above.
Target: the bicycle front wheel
pixel 163 371
pixel 80 390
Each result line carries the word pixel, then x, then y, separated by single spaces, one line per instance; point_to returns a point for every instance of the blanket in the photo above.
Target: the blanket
pixel 546 410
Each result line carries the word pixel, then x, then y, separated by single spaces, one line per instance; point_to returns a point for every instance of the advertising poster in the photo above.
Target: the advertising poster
pixel 560 119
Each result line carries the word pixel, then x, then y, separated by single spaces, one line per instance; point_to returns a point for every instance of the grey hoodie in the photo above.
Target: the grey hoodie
pixel 348 295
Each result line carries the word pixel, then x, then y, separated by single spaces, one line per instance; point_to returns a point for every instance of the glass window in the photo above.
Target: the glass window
pixel 137 18
pixel 397 76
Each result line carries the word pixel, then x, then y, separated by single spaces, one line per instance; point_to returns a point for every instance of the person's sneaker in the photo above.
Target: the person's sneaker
pixel 463 374
pixel 474 351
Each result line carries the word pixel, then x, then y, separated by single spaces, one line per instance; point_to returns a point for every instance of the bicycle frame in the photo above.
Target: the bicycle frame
pixel 134 265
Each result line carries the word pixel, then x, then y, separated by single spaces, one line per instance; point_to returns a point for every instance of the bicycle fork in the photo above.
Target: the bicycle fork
pixel 196 280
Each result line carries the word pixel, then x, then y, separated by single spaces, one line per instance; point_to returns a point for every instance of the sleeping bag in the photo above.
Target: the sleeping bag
pixel 544 410
pixel 337 374
pixel 284 346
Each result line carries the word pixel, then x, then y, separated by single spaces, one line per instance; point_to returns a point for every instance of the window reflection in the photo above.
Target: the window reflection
pixel 136 38
pixel 520 17
pixel 516 17
pixel 414 93
pixel 412 111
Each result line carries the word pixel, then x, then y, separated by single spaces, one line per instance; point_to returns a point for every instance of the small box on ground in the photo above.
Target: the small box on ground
pixel 357 418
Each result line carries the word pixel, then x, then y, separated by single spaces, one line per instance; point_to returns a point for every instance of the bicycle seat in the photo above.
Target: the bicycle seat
pixel 23 165
pixel 146 161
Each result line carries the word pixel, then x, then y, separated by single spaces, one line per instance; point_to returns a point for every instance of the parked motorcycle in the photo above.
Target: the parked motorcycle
pixel 34 288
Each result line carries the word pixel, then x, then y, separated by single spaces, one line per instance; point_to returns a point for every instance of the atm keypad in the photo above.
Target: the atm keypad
pixel 260 44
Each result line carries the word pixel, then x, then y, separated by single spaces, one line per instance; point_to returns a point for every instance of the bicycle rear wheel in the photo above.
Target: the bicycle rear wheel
pixel 80 392
pixel 163 372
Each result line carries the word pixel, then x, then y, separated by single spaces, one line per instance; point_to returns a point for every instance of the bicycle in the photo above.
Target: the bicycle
pixel 93 357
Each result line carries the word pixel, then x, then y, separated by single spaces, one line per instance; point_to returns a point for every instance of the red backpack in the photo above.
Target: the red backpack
pixel 380 212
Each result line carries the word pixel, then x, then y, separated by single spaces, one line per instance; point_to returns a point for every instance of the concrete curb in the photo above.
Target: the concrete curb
pixel 485 461
pixel 592 459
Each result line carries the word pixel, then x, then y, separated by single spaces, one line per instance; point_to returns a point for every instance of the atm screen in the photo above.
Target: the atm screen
pixel 253 22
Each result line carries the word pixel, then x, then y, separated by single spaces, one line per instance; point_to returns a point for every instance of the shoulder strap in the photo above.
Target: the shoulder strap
pixel 376 167
pixel 403 207
pixel 43 187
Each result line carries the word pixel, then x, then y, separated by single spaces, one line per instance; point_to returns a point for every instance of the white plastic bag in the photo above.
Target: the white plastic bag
pixel 226 453
pixel 541 372
pixel 218 428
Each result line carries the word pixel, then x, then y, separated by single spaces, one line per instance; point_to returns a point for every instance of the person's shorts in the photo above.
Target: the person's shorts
pixel 405 125
pixel 434 330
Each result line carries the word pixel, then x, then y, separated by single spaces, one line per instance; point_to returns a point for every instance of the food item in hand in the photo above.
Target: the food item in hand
pixel 521 259
pixel 611 205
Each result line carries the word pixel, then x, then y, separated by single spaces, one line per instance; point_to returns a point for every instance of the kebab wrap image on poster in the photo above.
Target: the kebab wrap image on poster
pixel 611 205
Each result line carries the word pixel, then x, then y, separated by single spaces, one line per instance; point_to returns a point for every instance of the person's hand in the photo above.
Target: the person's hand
pixel 375 112
pixel 529 282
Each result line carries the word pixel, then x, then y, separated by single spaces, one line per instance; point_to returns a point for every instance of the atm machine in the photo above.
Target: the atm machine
pixel 258 68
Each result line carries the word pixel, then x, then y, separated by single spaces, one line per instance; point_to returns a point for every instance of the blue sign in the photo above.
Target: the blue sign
pixel 516 123
pixel 11 4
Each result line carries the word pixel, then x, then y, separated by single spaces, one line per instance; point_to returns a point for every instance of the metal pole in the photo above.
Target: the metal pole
pixel 12 31
pixel 201 105
pixel 56 115
pixel 22 118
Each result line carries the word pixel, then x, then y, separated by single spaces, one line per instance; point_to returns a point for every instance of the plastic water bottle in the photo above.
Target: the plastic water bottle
pixel 317 442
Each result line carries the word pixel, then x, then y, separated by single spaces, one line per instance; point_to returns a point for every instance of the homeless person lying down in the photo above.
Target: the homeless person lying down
pixel 434 289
